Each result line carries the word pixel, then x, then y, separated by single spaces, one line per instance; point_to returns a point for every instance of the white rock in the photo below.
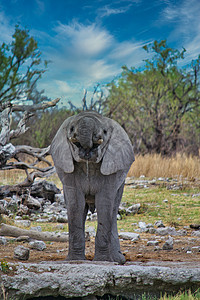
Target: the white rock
pixel 166 231
pixel 91 231
pixel 159 224
pixel 196 233
pixel 31 202
pixel 129 236
pixel 38 245
pixel 152 243
pixel 21 253
pixel 3 240
pixel 133 209
pixel 142 225
pixel 169 244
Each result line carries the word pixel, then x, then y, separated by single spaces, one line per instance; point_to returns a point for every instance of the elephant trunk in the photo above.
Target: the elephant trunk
pixel 86 128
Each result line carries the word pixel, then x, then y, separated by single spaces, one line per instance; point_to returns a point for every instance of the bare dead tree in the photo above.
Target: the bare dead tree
pixel 97 102
pixel 10 155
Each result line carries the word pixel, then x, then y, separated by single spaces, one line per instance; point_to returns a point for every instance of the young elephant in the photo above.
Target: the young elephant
pixel 92 155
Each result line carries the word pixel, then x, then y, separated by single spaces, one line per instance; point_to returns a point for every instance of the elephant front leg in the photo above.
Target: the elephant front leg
pixel 115 245
pixel 104 229
pixel 76 220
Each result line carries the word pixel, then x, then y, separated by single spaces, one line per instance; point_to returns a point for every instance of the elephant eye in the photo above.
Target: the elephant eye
pixel 105 131
pixel 71 129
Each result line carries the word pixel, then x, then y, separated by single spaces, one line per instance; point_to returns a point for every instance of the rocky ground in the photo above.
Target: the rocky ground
pixel 146 242
pixel 145 248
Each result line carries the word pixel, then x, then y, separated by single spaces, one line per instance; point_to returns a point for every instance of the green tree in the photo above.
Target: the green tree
pixel 19 68
pixel 151 103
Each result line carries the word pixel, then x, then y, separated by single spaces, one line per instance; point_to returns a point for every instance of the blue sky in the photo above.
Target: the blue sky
pixel 88 41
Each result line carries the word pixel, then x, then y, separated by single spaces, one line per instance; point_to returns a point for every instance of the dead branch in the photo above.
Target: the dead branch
pixel 5 125
pixel 8 230
pixel 30 108
pixel 21 127
pixel 8 151
pixel 6 133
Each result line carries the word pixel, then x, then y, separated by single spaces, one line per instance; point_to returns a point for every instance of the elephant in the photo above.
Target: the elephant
pixel 92 155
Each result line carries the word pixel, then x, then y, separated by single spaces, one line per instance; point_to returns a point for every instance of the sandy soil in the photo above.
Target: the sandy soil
pixel 134 252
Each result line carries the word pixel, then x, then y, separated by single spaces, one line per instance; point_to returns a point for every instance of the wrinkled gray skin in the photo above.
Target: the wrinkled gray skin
pixel 92 155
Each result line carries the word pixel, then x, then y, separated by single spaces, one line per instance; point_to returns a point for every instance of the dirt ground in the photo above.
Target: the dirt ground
pixel 183 250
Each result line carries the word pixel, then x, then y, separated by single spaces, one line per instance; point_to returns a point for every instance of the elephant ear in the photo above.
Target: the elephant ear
pixel 119 153
pixel 60 150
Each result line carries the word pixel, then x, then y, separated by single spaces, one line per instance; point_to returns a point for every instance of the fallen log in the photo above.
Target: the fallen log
pixel 13 231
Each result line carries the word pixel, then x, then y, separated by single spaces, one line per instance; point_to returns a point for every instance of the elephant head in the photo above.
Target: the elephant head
pixel 90 137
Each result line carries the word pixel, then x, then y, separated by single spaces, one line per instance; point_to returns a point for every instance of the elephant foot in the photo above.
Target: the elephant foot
pixel 75 257
pixel 119 257
pixel 102 257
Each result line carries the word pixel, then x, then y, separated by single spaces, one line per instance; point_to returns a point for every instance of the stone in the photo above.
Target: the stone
pixel 38 245
pixel 152 243
pixel 166 231
pixel 90 231
pixel 62 218
pixel 149 225
pixel 133 209
pixel 91 216
pixel 23 238
pixel 196 233
pixel 159 224
pixel 59 198
pixel 152 230
pixel 3 240
pixel 32 203
pixel 142 225
pixel 129 236
pixel 181 232
pixel 196 249
pixel 168 245
pixel 44 189
pixel 70 280
pixel 21 253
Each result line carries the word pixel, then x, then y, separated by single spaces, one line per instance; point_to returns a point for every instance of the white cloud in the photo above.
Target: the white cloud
pixel 81 56
pixel 84 55
pixel 86 40
pixel 126 49
pixel 6 29
pixel 185 17
pixel 107 11
pixel 64 87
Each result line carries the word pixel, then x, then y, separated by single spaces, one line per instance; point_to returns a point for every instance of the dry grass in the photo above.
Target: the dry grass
pixel 155 165
pixel 150 165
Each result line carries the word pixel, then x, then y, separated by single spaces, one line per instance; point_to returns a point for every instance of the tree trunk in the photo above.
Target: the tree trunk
pixel 8 230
